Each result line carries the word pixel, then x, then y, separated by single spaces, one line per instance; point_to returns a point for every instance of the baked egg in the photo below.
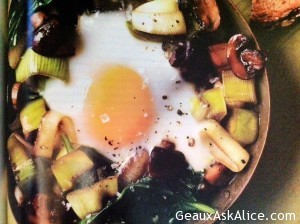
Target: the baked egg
pixel 122 94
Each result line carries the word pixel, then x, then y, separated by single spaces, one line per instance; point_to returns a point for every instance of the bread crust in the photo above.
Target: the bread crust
pixel 269 11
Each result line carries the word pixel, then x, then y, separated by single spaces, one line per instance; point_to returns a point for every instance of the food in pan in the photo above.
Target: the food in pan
pixel 127 111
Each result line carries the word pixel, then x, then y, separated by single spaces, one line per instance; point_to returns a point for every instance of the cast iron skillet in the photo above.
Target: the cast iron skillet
pixel 227 196
pixel 232 23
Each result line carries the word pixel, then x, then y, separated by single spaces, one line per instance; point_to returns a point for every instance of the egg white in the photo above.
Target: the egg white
pixel 105 40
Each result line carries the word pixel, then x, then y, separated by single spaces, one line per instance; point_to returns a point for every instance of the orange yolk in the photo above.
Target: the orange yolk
pixel 119 108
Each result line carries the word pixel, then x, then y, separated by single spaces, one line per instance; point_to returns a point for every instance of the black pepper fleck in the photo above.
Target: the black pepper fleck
pixel 179 112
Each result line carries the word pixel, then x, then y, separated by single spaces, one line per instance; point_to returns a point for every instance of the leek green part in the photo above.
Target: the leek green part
pixel 217 106
pixel 70 166
pixel 22 164
pixel 199 109
pixel 67 143
pixel 25 175
pixel 35 64
pixel 243 126
pixel 238 90
pixel 17 152
pixel 31 115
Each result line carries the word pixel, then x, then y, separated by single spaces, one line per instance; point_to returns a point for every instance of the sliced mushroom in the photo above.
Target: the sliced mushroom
pixel 254 60
pixel 54 39
pixel 208 12
pixel 167 163
pixel 135 168
pixel 235 43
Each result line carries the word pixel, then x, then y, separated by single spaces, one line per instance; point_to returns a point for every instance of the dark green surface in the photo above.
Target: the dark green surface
pixel 275 186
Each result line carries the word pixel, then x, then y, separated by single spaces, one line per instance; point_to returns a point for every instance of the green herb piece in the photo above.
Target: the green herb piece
pixel 67 143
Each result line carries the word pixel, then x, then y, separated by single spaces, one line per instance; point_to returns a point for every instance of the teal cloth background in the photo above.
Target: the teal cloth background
pixel 275 186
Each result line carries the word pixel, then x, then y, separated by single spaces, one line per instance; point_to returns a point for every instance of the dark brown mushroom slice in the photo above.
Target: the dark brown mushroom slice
pixel 167 144
pixel 218 175
pixel 54 39
pixel 235 44
pixel 38 19
pixel 218 55
pixel 21 94
pixel 208 13
pixel 254 60
pixel 134 169
pixel 167 163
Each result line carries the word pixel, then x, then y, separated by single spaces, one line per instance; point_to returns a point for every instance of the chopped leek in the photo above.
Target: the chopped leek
pixel 159 23
pixel 89 200
pixel 217 106
pixel 238 90
pixel 52 122
pixel 70 166
pixel 243 126
pixel 22 164
pixel 31 115
pixel 199 109
pixel 224 148
pixel 159 6
pixel 35 64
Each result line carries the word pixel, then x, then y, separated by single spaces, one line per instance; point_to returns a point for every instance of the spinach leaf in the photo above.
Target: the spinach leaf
pixel 16 22
pixel 153 200
pixel 36 4
pixel 194 25
pixel 19 13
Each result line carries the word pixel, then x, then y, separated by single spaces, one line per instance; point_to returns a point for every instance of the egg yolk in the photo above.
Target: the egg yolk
pixel 119 108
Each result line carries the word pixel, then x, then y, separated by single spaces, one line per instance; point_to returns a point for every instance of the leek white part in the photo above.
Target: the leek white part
pixel 159 6
pixel 159 23
pixel 51 122
pixel 227 151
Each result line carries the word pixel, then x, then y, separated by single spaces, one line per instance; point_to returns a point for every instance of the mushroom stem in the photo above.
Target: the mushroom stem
pixel 218 55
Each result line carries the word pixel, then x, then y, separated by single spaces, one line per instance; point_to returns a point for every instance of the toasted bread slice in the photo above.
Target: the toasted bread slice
pixel 272 13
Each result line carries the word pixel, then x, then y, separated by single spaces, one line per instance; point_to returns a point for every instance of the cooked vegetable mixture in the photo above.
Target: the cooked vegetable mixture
pixel 60 180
